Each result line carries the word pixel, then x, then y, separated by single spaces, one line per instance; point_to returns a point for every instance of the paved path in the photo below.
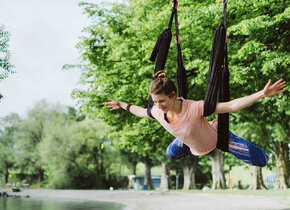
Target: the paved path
pixel 155 200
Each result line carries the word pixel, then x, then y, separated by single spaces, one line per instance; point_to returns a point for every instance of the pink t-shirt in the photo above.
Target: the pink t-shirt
pixel 191 127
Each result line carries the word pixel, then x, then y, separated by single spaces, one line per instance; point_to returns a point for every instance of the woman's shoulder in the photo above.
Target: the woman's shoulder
pixel 194 102
pixel 155 112
pixel 195 107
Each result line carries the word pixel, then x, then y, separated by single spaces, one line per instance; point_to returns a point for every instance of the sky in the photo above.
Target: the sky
pixel 44 34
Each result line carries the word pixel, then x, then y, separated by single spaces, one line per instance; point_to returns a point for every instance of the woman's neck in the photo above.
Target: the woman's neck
pixel 176 107
pixel 175 112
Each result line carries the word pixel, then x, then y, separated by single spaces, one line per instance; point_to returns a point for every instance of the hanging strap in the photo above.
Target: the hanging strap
pixel 161 48
pixel 224 94
pixel 162 45
pixel 181 72
pixel 160 51
pixel 218 81
pixel 218 64
pixel 215 70
pixel 224 12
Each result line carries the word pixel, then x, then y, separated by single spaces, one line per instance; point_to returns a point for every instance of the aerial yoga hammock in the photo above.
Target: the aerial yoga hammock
pixel 217 90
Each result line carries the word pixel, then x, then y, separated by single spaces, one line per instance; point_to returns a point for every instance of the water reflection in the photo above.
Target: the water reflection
pixel 55 204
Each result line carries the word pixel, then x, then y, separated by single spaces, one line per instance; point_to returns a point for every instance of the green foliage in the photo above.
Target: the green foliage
pixel 116 50
pixel 9 134
pixel 5 65
pixel 64 153
pixel 119 42
pixel 259 50
pixel 59 148
pixel 32 134
pixel 73 155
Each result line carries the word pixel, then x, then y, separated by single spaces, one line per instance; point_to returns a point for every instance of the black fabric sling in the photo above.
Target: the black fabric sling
pixel 218 82
pixel 161 47
pixel 181 72
pixel 160 51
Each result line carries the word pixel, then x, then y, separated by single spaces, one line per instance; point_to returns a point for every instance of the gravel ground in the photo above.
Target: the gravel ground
pixel 155 200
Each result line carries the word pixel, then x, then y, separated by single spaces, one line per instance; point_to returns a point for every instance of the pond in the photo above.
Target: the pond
pixel 55 204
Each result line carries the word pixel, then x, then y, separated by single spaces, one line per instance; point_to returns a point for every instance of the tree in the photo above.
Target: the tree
pixel 130 61
pixel 74 155
pixel 257 179
pixel 5 65
pixel 150 148
pixel 133 159
pixel 259 50
pixel 9 135
pixel 218 177
pixel 189 172
pixel 165 182
pixel 33 133
pixel 117 46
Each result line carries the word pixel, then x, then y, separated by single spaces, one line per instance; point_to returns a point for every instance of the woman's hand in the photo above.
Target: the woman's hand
pixel 113 104
pixel 241 103
pixel 133 109
pixel 274 89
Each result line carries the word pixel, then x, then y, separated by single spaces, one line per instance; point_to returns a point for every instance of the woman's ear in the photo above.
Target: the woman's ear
pixel 172 94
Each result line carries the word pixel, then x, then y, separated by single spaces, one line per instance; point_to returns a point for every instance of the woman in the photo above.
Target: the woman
pixel 184 120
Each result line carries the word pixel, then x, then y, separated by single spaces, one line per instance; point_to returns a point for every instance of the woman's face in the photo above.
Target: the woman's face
pixel 163 102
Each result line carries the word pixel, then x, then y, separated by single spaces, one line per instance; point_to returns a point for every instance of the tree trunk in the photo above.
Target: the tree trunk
pixel 7 165
pixel 217 168
pixel 165 177
pixel 189 174
pixel 134 166
pixel 40 175
pixel 187 171
pixel 148 179
pixel 132 175
pixel 257 179
pixel 6 178
pixel 282 164
pixel 131 181
pixel 102 159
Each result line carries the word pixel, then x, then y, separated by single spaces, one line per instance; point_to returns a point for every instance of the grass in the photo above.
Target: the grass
pixel 240 192
pixel 240 174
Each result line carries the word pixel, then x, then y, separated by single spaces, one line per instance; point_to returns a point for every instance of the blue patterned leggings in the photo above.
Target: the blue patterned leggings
pixel 240 148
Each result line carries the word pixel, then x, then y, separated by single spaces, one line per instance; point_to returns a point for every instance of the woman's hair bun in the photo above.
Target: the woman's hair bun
pixel 160 74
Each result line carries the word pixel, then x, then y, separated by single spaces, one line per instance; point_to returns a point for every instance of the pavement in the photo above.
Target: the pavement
pixel 166 200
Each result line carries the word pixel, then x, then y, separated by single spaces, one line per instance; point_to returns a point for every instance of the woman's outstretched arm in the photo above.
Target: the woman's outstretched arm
pixel 136 110
pixel 240 103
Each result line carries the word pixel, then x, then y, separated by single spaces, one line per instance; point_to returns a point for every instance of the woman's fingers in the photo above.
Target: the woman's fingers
pixel 112 104
pixel 277 81
pixel 111 107
pixel 280 84
pixel 276 88
pixel 108 104
pixel 269 83
pixel 281 87
pixel 111 100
